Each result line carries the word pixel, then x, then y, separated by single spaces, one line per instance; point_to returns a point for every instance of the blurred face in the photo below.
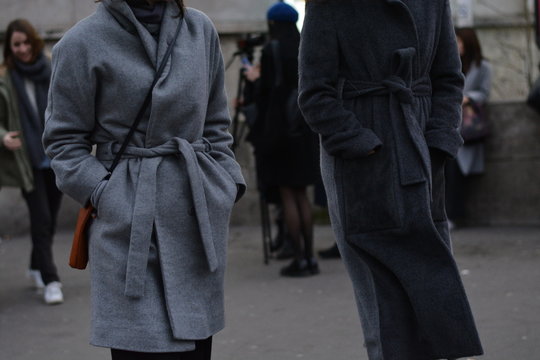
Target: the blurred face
pixel 21 47
pixel 461 47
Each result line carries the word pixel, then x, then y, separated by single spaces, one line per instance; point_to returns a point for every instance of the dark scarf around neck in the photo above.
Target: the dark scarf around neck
pixel 39 73
pixel 145 13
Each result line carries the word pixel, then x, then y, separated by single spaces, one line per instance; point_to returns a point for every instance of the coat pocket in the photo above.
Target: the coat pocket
pixel 368 193
pixel 220 189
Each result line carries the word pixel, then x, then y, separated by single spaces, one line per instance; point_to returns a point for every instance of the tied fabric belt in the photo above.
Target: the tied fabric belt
pixel 401 94
pixel 145 198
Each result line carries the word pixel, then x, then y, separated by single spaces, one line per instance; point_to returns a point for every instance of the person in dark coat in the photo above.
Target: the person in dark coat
pixel 286 160
pixel 24 83
pixel 381 83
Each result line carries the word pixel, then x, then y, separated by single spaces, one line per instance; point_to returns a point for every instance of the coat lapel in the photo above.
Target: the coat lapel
pixel 168 29
pixel 407 12
pixel 121 11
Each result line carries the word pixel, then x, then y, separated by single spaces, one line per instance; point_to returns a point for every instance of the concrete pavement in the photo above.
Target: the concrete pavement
pixel 273 318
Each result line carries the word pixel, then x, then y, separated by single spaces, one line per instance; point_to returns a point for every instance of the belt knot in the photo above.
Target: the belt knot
pixel 398 87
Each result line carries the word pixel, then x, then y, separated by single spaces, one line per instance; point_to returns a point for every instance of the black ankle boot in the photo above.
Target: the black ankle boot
pixel 297 268
pixel 313 266
pixel 330 253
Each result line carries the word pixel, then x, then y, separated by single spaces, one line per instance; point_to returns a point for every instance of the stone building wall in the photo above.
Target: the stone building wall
pixel 507 37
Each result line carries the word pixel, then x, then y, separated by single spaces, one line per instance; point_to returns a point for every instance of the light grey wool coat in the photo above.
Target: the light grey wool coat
pixel 470 158
pixel 157 246
pixel 386 76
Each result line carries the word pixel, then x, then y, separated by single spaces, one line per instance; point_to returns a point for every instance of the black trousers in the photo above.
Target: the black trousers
pixel 203 351
pixel 43 204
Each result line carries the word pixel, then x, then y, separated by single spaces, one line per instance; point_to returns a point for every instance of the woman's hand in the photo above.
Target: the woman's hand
pixel 12 141
pixel 252 73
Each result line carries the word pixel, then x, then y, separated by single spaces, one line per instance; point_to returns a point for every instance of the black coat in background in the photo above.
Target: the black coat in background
pixel 386 76
pixel 282 160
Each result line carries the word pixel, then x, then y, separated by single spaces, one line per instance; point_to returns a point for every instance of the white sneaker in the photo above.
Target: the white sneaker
pixel 35 277
pixel 53 293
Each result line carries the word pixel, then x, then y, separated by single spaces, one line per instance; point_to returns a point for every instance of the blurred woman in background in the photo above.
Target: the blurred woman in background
pixel 470 157
pixel 287 155
pixel 24 84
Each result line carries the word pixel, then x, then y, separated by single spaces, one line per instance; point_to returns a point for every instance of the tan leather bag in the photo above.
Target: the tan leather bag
pixel 78 258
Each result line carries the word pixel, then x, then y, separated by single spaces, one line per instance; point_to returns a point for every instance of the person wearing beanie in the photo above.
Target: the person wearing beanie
pixel 381 83
pixel 286 160
pixel 282 12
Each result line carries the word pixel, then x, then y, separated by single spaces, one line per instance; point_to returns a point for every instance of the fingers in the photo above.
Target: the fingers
pixel 12 140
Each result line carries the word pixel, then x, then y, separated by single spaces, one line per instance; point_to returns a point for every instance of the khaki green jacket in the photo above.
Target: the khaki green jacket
pixel 15 167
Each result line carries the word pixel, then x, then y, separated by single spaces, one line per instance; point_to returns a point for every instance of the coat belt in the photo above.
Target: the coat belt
pixel 401 93
pixel 145 198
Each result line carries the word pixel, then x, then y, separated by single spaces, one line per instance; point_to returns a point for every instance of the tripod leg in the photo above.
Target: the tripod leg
pixel 266 228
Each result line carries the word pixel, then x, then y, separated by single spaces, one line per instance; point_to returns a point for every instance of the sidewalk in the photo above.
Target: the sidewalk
pixel 274 318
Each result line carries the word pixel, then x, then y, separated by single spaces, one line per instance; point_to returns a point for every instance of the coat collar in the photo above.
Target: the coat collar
pixel 407 12
pixel 121 11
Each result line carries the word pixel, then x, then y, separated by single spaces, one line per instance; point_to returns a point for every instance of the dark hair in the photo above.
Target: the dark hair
pixel 24 26
pixel 179 3
pixel 283 31
pixel 472 51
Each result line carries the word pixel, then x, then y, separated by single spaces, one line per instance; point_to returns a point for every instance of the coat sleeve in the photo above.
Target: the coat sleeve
pixel 70 120
pixel 341 132
pixel 218 119
pixel 447 82
pixel 481 89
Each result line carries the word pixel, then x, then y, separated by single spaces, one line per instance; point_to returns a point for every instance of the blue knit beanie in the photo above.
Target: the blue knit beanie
pixel 282 12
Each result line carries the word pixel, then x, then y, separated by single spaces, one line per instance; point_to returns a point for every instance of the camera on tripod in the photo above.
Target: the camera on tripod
pixel 246 46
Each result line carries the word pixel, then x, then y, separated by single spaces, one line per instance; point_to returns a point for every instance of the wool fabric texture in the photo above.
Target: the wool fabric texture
pixel 158 243
pixel 385 98
pixel 282 12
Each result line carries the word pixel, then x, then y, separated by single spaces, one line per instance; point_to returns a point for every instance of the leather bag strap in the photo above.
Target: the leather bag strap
pixel 146 102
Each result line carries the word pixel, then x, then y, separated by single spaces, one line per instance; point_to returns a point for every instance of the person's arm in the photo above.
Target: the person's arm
pixel 447 82
pixel 341 132
pixel 218 119
pixel 70 121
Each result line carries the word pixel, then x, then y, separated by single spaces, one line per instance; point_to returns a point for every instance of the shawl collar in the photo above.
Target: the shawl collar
pixel 407 12
pixel 121 11
pixel 168 29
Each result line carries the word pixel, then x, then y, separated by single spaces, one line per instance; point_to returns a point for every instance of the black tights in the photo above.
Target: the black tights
pixel 299 220
pixel 203 351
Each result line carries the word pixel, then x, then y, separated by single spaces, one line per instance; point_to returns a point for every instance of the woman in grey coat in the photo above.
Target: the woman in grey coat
pixel 470 157
pixel 157 245
pixel 384 95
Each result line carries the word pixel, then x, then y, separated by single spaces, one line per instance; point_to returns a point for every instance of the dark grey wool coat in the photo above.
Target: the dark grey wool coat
pixel 157 247
pixel 386 76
